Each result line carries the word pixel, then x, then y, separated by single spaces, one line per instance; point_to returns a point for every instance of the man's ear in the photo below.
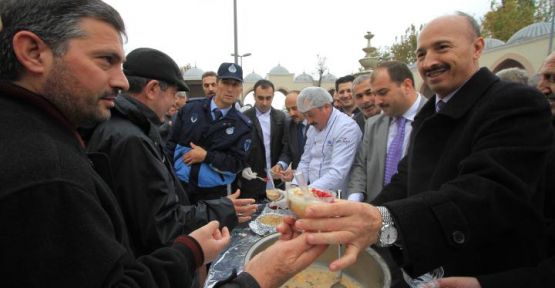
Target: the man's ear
pixel 32 52
pixel 152 89
pixel 407 85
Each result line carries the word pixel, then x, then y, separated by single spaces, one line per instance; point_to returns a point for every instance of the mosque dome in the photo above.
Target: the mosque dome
pixel 304 78
pixel 492 43
pixel 529 32
pixel 328 78
pixel 252 77
pixel 279 70
pixel 193 73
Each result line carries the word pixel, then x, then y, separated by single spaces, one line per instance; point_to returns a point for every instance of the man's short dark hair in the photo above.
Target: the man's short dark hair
pixel 398 71
pixel 54 21
pixel 344 79
pixel 264 84
pixel 209 74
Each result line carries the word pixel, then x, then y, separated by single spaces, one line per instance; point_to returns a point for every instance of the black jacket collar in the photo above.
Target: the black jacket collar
pixel 467 95
pixel 18 93
pixel 136 112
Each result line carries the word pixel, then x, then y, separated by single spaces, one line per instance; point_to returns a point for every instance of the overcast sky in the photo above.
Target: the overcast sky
pixel 286 32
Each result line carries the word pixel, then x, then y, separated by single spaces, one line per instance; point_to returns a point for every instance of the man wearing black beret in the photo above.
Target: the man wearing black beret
pixel 155 206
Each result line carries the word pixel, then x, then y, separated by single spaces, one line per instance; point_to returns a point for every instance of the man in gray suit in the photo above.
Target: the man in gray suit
pixel 386 135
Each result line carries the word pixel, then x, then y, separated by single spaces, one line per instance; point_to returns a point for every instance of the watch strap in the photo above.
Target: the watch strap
pixel 386 216
pixel 387 223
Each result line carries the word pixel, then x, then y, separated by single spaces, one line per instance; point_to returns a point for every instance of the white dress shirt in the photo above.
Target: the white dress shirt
pixel 264 119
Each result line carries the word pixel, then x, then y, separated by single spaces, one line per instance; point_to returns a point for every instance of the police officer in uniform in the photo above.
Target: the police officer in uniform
pixel 211 139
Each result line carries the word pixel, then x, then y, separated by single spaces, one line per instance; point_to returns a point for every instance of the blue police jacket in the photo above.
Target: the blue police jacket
pixel 227 142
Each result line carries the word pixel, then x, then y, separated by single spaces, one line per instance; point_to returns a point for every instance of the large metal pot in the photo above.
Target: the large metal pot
pixel 370 270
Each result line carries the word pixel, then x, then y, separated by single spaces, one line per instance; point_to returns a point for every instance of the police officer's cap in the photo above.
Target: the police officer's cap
pixel 230 71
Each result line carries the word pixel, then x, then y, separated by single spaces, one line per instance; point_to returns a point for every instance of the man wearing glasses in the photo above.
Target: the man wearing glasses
pixel 293 140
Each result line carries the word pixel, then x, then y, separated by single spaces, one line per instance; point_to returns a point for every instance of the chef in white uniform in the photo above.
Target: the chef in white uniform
pixel 331 141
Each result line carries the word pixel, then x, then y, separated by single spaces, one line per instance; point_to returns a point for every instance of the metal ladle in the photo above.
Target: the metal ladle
pixel 339 275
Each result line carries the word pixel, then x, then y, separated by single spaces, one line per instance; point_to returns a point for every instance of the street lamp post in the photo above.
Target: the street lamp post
pixel 240 58
pixel 236 45
pixel 552 27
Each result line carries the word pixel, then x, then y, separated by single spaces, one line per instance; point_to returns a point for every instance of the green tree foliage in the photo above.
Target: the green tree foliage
pixel 384 54
pixel 501 22
pixel 509 16
pixel 405 46
pixel 544 10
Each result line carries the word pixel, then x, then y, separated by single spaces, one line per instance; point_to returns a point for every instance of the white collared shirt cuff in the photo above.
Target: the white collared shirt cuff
pixel 358 197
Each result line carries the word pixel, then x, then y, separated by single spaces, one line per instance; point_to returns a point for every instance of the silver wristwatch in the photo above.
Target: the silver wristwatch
pixel 387 235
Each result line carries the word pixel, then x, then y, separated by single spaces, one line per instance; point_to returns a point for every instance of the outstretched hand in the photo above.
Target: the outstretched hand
pixel 211 239
pixel 353 224
pixel 281 261
pixel 244 208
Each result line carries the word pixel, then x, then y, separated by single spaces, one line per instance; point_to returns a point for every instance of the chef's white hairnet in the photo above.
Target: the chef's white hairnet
pixel 313 97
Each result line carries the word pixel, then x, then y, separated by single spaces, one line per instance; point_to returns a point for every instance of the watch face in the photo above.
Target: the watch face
pixel 388 235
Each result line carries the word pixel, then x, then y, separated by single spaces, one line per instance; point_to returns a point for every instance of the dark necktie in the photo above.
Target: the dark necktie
pixel 439 105
pixel 301 137
pixel 217 114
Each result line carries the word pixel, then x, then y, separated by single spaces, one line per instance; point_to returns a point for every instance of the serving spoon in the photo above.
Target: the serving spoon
pixel 339 275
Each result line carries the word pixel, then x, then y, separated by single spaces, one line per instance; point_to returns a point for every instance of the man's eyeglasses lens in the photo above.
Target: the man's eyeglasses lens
pixel 549 78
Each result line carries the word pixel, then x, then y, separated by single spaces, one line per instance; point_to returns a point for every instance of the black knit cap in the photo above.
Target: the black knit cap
pixel 153 64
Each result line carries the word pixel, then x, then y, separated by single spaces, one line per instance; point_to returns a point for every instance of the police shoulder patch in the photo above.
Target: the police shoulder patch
pixel 194 117
pixel 247 145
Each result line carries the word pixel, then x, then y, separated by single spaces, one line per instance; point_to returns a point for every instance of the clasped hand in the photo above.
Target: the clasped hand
pixel 284 175
pixel 196 155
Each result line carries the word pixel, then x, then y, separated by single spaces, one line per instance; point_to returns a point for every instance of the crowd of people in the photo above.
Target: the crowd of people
pixel 112 177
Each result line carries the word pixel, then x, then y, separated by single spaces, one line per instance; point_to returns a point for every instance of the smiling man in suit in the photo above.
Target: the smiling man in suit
pixel 392 86
pixel 466 196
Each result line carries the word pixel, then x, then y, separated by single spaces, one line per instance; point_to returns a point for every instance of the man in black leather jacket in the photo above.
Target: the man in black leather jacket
pixel 155 206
